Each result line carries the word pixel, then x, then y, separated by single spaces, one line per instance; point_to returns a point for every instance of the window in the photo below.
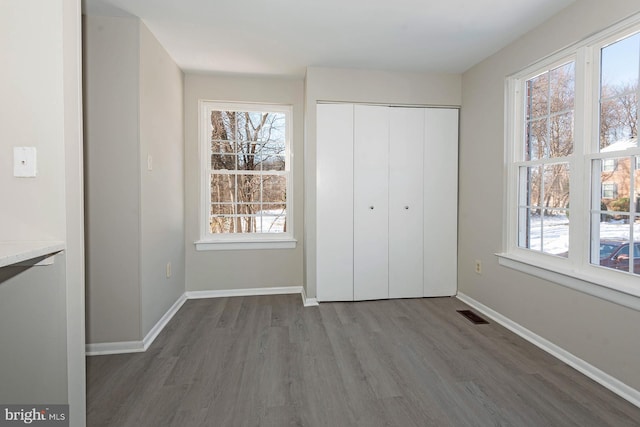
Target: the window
pixel 609 191
pixel 246 176
pixel 574 176
pixel 609 165
pixel 543 217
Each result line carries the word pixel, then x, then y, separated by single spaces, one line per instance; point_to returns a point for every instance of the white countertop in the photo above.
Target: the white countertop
pixel 14 252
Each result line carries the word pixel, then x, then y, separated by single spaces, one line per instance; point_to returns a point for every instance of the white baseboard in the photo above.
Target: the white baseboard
pixel 308 302
pixel 121 347
pixel 140 346
pixel 244 292
pixel 103 348
pixel 615 385
pixel 164 320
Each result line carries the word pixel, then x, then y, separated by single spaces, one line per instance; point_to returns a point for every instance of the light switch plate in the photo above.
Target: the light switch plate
pixel 24 162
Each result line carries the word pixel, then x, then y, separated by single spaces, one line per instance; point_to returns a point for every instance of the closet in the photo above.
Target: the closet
pixel 386 202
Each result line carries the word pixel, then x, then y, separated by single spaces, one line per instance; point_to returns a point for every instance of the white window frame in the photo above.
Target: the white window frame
pixel 575 271
pixel 234 241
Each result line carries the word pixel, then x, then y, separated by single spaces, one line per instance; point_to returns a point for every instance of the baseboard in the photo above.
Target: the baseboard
pixel 103 348
pixel 244 292
pixel 616 386
pixel 308 302
pixel 121 347
pixel 164 320
pixel 99 349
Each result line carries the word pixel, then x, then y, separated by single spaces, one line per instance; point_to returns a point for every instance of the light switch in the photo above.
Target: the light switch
pixel 24 162
pixel 149 162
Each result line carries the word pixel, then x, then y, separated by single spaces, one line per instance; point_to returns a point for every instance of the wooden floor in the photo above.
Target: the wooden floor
pixel 268 361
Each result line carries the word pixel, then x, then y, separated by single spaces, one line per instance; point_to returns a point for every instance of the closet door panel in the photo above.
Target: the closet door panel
pixel 370 203
pixel 334 202
pixel 441 202
pixel 405 202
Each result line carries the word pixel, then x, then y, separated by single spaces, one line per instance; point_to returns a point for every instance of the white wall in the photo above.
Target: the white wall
pixel 42 307
pixel 135 216
pixel 112 164
pixel 345 85
pixel 162 188
pixel 220 270
pixel 599 332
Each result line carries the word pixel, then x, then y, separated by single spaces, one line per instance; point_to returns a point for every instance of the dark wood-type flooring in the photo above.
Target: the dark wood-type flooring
pixel 268 361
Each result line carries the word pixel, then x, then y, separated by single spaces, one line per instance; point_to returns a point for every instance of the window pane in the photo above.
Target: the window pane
pixel 274 130
pixel 223 188
pixel 222 146
pixel 562 88
pixel 538 96
pixel 223 161
pixel 534 186
pixel 549 122
pixel 270 162
pixel 620 65
pixel 611 247
pixel 534 230
pixel 274 218
pixel 221 225
pixel 274 189
pixel 223 125
pixel 561 135
pixel 248 162
pixel 555 232
pixel 248 188
pixel 615 183
pixel 556 186
pixel 620 62
pixel 537 143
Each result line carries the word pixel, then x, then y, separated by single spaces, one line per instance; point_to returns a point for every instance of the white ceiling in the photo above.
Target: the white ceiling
pixel 283 37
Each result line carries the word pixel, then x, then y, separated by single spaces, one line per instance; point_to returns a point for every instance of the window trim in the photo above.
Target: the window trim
pixel 575 272
pixel 208 241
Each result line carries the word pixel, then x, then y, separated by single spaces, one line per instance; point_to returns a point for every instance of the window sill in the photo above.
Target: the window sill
pixel 597 285
pixel 231 245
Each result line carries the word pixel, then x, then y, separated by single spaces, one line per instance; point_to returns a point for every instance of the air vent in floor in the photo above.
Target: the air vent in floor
pixel 473 317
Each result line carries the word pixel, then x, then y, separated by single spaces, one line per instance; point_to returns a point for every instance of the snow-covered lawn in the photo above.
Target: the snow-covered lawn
pixel 273 221
pixel 556 232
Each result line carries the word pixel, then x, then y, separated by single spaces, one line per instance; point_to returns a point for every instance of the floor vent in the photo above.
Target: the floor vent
pixel 473 317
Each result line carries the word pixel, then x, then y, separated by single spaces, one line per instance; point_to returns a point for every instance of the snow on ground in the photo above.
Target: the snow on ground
pixel 556 232
pixel 272 221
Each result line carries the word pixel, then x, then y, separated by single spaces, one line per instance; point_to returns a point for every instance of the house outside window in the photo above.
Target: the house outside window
pixel 246 168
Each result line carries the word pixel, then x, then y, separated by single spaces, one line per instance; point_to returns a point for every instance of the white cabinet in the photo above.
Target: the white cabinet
pixel 386 202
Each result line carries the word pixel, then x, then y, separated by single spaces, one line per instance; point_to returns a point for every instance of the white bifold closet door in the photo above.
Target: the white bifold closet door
pixel 334 202
pixel 441 202
pixel 406 154
pixel 371 202
pixel 386 202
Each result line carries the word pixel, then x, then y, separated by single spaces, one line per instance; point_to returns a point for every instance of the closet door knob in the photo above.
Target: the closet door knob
pixel 406 207
pixel 371 207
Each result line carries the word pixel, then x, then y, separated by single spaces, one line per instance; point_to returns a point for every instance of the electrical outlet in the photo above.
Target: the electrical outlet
pixel 168 270
pixel 478 267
